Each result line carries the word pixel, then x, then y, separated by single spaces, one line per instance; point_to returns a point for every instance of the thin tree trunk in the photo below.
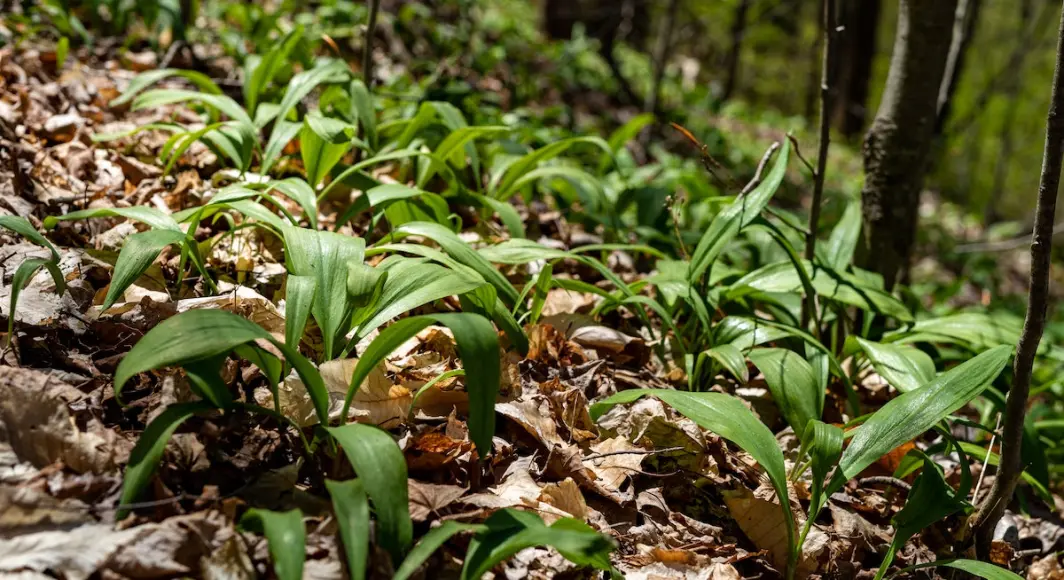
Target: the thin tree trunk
pixel 826 79
pixel 367 45
pixel 899 142
pixel 964 23
pixel 812 88
pixel 857 53
pixel 661 56
pixel 1034 323
pixel 738 31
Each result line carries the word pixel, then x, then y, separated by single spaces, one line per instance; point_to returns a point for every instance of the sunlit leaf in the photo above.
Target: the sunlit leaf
pixel 286 536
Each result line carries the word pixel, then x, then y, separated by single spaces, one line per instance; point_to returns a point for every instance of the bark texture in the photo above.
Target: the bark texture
pixel 1035 321
pixel 898 144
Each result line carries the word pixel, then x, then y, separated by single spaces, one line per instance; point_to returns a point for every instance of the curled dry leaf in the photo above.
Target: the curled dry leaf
pixel 519 489
pixel 35 412
pixel 613 462
pixel 427 499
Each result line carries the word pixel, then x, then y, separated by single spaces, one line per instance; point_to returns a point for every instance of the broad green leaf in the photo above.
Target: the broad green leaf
pixel 323 142
pixel 352 517
pixel 283 133
pixel 454 148
pixel 23 274
pixel 904 367
pixel 381 468
pixel 741 212
pixel 412 283
pixel 205 380
pixel 782 277
pixel 478 347
pixel 459 250
pixel 200 334
pixel 509 531
pixel 136 256
pixel 157 98
pixel 792 383
pixel 384 195
pixel 148 78
pixel 507 213
pixel 141 213
pixel 824 443
pixel 149 450
pixel 325 256
pixel 623 135
pixel 286 536
pixel 838 252
pixel 726 416
pixel 731 359
pixel 431 542
pixel 334 71
pixel 24 228
pixel 362 101
pixel 975 567
pixel 910 414
pixel 518 169
pixel 298 296
pixel 263 71
pixel 365 284
pixel 301 192
pixel 976 330
pixel 930 500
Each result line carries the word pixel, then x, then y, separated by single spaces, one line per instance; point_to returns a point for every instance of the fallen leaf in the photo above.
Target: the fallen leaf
pixel 427 499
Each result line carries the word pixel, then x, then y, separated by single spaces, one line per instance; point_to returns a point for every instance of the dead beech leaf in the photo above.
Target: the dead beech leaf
pixel 36 417
pixel 379 401
pixel 427 499
pixel 228 562
pixel 565 496
pixel 758 515
pixel 519 489
pixel 613 462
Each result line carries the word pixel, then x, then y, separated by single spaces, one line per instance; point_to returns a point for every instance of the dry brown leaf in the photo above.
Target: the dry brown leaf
pixel 565 496
pixel 759 517
pixel 1047 568
pixel 613 462
pixel 35 415
pixel 426 499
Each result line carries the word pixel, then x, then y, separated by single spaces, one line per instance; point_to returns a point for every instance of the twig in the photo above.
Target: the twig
pixel 756 180
pixel 632 452
pixel 884 480
pixel 798 154
pixel 1002 245
pixel 826 78
pixel 1034 324
pixel 986 460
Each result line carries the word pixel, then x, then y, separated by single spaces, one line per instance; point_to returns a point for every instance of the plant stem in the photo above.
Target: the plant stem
pixel 1034 323
pixel 826 78
pixel 367 45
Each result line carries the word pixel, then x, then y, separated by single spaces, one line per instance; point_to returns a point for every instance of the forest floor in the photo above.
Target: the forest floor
pixel 679 501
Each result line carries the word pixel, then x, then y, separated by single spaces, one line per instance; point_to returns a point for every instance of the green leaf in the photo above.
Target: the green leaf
pixel 148 78
pixel 362 101
pixel 299 295
pixel 200 334
pixel 904 367
pixel 907 416
pixel 793 385
pixel 158 98
pixel 323 143
pixel 334 71
pixel 741 212
pixel 325 256
pixel 976 330
pixel 283 132
pixel 726 416
pixel 23 275
pixel 980 569
pixel 623 135
pixel 518 169
pixel 259 76
pixel 24 228
pixel 149 450
pixel 286 536
pixel 431 542
pixel 782 277
pixel 824 443
pixel 459 250
pixel 838 252
pixel 731 359
pixel 509 531
pixel 352 517
pixel 137 255
pixel 454 148
pixel 478 347
pixel 301 192
pixel 381 467
pixel 141 213
pixel 412 283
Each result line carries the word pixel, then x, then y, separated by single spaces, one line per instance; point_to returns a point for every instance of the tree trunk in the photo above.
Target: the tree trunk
pixel 984 522
pixel 965 20
pixel 738 31
pixel 661 56
pixel 857 52
pixel 899 142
